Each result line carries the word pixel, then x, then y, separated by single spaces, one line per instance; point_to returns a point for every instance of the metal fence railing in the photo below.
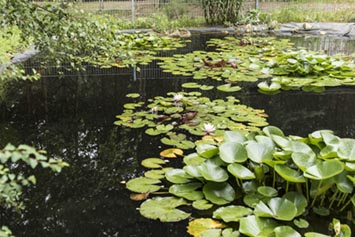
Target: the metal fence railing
pixel 192 8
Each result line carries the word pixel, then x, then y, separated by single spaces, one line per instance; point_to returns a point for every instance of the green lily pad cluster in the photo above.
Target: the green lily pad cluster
pixel 259 184
pixel 192 113
pixel 137 48
pixel 275 64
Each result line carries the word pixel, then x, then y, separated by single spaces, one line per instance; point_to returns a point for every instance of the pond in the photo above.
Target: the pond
pixel 72 118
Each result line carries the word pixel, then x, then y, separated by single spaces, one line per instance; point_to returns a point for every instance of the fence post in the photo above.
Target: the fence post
pixel 256 4
pixel 133 11
pixel 101 4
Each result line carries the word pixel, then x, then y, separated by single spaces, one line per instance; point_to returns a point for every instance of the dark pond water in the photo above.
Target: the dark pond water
pixel 73 118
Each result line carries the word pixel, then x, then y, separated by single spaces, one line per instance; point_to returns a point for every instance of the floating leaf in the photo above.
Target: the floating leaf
pixel 228 88
pixel 202 204
pixel 289 174
pixel 153 163
pixel 347 149
pixel 267 191
pixel 133 95
pixel 301 223
pixel 138 196
pixel 219 193
pixel 197 226
pixel 164 209
pixel 278 208
pixel 207 150
pixel 212 172
pixel 286 231
pixel 187 191
pixel 155 174
pixel 264 86
pixel 240 171
pixel 177 176
pixel 259 152
pixel 172 153
pixel 254 226
pixel 324 170
pixel 232 152
pixel 143 185
pixel 231 213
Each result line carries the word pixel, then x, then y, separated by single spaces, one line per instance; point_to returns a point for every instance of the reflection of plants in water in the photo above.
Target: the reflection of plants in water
pixel 12 181
pixel 257 184
pixel 192 113
pixel 275 61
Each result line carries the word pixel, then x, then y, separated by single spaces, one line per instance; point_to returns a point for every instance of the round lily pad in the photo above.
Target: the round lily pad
pixel 143 185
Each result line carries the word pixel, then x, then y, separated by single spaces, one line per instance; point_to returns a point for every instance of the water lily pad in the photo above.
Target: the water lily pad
pixel 196 227
pixel 259 152
pixel 177 176
pixel 202 204
pixel 267 191
pixel 153 163
pixel 133 95
pixel 233 136
pixel 206 150
pixel 228 88
pixel 164 209
pixel 232 152
pixel 219 193
pixel 230 232
pixel 299 200
pixel 231 213
pixel 289 174
pixel 278 208
pixel 264 86
pixel 171 153
pixel 212 172
pixel 240 171
pixel 255 226
pixel 324 170
pixel 347 149
pixel 190 85
pixel 286 231
pixel 143 185
pixel 187 191
pixel 301 223
pixel 155 174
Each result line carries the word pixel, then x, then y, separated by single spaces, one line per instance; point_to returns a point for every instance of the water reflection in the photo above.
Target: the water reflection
pixel 73 118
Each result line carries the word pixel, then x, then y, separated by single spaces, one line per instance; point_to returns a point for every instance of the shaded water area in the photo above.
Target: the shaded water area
pixel 72 118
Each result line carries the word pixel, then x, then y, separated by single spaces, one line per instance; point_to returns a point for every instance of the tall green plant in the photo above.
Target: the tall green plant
pixel 220 11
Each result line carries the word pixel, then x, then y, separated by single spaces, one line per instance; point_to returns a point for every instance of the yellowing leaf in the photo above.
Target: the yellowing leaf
pixel 172 153
pixel 198 226
pixel 138 196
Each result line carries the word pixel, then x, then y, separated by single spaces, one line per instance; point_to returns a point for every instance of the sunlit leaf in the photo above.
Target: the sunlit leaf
pixel 164 209
pixel 172 153
pixel 143 185
pixel 197 226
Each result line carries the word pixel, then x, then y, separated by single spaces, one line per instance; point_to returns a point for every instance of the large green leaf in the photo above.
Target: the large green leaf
pixel 299 200
pixel 231 213
pixel 233 136
pixel 231 152
pixel 304 160
pixel 187 191
pixel 212 172
pixel 278 208
pixel 177 176
pixel 143 185
pixel 206 150
pixel 219 193
pixel 240 171
pixel 324 170
pixel 259 152
pixel 254 226
pixel 164 209
pixel 347 149
pixel 286 231
pixel 289 174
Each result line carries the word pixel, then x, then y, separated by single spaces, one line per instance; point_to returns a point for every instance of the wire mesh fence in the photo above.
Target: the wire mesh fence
pixel 193 8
